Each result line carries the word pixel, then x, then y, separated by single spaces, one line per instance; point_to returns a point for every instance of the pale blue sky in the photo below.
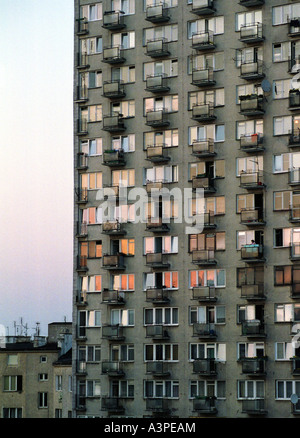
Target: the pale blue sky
pixel 36 176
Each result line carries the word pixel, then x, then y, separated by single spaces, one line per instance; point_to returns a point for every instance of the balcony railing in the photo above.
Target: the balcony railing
pixel 82 126
pixel 113 20
pixel 82 26
pixel 203 182
pixel 204 294
pixel 204 148
pixel 252 253
pixel 203 77
pixel 295 366
pixel 114 89
pixel 81 298
pixel 113 227
pixel 294 139
pixel 114 261
pixel 251 143
pixel 114 297
pixel 205 405
pixel 253 328
pixel 81 230
pixel 294 27
pixel 294 177
pixel 295 251
pixel 157 153
pixel 158 405
pixel 111 404
pixel 252 70
pixel 205 367
pixel 156 225
pixel 113 123
pixel 157 260
pixel 250 3
pixel 252 216
pixel 293 62
pixel 203 41
pixel 112 368
pixel 254 366
pixel 81 403
pixel 113 55
pixel 204 113
pixel 154 186
pixel 253 291
pixel 82 94
pixel 203 7
pixel 157 13
pixel 203 330
pixel 157 296
pixel 251 33
pixel 294 99
pixel 157 332
pixel 82 161
pixel 157 118
pixel 204 257
pixel 113 333
pixel 251 180
pixel 82 263
pixel 82 61
pixel 251 105
pixel 157 83
pixel 254 407
pixel 157 48
pixel 209 220
pixel 113 158
pixel 158 369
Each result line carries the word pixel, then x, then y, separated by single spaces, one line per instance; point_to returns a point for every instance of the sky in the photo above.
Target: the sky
pixel 36 163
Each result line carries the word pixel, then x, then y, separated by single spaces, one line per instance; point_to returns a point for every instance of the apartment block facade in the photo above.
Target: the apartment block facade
pixel 202 96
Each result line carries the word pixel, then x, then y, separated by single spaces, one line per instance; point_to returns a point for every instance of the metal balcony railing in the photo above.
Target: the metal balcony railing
pixel 157 83
pixel 253 291
pixel 113 227
pixel 203 182
pixel 203 41
pixel 256 406
pixel 157 332
pixel 204 294
pixel 251 143
pixel 113 332
pixel 204 257
pixel 203 7
pixel 156 225
pixel 205 405
pixel 204 148
pixel 113 297
pixel 157 153
pixel 158 368
pixel 204 112
pixel 111 404
pixel 157 48
pixel 113 55
pixel 112 368
pixel 295 290
pixel 157 295
pixel 294 176
pixel 294 99
pixel 82 263
pixel 203 330
pixel 205 367
pixel 81 367
pixel 113 20
pixel 250 3
pixel 114 89
pixel 251 33
pixel 113 123
pixel 82 26
pixel 254 366
pixel 203 77
pixel 252 70
pixel 157 260
pixel 157 118
pixel 251 180
pixel 252 216
pixel 294 27
pixel 113 158
pixel 295 251
pixel 252 253
pixel 159 405
pixel 82 161
pixel 157 13
pixel 113 261
pixel 251 105
pixel 253 328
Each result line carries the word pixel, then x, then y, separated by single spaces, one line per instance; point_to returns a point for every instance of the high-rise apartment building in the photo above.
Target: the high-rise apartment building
pixel 186 95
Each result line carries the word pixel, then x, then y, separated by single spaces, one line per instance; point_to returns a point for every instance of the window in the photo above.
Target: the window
pixel 249 55
pixel 249 165
pixel 43 377
pixel 249 127
pixel 166 67
pixel 165 174
pixel 90 283
pixel 282 237
pixel 250 350
pixel 165 245
pixel 12 383
pixel 211 241
pixel 282 125
pixel 214 97
pixel 93 388
pixel 43 399
pixel 161 316
pixel 122 317
pixel 165 352
pixel 58 383
pixel 215 205
pixel 123 282
pixel 43 359
pixel 210 388
pixel 168 3
pixel 168 138
pixel 91 46
pixel 126 74
pixel 282 14
pixel 248 276
pixel 285 388
pixel 207 314
pixel 215 168
pixel 92 79
pixel 91 318
pixel 207 351
pixel 91 249
pixel 167 103
pixel 286 162
pixel 124 142
pixel 123 353
pixel 12 359
pixel 287 312
pixel 91 147
pixel 282 200
pixel 12 413
pixel 91 12
pixel 244 18
pixel 246 237
pixel 245 90
pixel 95 113
pixel 126 6
pixel 210 277
pixel 167 280
pixel 126 177
pixel 123 388
pixel 92 215
pixel 205 132
pixel 214 25
pixel 250 389
pixel 169 32
pixel 158 389
pixel 284 350
pixel 90 353
pixel 126 40
pixel 126 108
pixel 286 275
pixel 91 181
pixel 124 213
pixel 281 88
pixel 214 61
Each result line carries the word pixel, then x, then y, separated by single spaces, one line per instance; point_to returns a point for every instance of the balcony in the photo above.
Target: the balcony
pixel 203 77
pixel 294 177
pixel 114 158
pixel 158 369
pixel 251 105
pixel 203 113
pixel 81 195
pixel 81 230
pixel 252 253
pixel 253 329
pixel 295 251
pixel 157 260
pixel 203 7
pixel 157 48
pixel 252 143
pixel 205 405
pixel 156 225
pixel 251 180
pixel 82 94
pixel 113 262
pixel 82 264
pixel 252 70
pixel 253 292
pixel 254 366
pixel 82 127
pixel 294 139
pixel 112 368
pixel 157 13
pixel 82 61
pixel 113 123
pixel 113 297
pixel 112 405
pixel 209 220
pixel 294 27
pixel 203 41
pixel 254 407
pixel 82 27
pixel 157 83
pixel 204 294
pixel 203 182
pixel 204 257
pixel 251 33
pixel 294 100
pixel 113 333
pixel 295 366
pixel 204 331
pixel 157 296
pixel 113 228
pixel 158 405
pixel 157 118
pixel 113 55
pixel 82 161
pixel 113 20
pixel 157 332
pixel 250 3
pixel 114 89
pixel 295 290
pixel 205 367
pixel 157 153
pixel 154 186
pixel 81 299
pixel 252 217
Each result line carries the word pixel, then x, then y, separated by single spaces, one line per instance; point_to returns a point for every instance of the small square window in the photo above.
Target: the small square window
pixel 43 359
